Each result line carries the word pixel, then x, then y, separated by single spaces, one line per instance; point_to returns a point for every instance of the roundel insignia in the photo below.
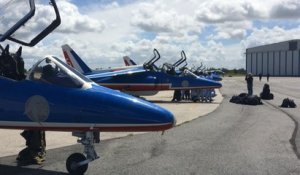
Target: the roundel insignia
pixel 185 83
pixel 37 108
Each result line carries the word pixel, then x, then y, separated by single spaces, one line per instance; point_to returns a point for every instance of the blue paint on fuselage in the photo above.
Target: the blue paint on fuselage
pixel 156 77
pixel 98 105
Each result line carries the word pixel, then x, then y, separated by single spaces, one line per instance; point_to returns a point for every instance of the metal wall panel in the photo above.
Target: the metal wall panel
pixel 296 63
pixel 271 63
pixel 289 66
pixel 254 64
pixel 259 63
pixel 281 46
pixel 270 47
pixel 276 65
pixel 248 62
pixel 282 63
pixel 278 59
pixel 265 63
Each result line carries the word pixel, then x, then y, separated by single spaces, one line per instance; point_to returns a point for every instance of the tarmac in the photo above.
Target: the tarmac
pixel 234 139
pixel 184 112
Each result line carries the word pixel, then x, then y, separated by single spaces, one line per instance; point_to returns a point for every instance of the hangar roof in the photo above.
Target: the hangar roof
pixel 280 46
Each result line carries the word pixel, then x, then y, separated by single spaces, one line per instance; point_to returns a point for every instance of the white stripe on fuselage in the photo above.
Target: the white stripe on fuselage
pixel 69 125
pixel 166 84
pixel 135 84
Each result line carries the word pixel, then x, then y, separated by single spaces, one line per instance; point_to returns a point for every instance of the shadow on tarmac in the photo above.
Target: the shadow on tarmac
pixel 9 165
pixel 6 169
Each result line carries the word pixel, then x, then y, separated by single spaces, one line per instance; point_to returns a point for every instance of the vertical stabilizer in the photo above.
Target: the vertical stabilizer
pixel 74 60
pixel 128 61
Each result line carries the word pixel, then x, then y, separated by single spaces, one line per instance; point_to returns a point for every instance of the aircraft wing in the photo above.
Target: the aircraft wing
pixel 117 73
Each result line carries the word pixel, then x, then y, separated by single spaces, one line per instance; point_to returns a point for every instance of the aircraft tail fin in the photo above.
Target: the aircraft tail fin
pixel 128 61
pixel 74 60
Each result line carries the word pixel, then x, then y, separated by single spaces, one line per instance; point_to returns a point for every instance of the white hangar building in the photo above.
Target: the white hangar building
pixel 278 59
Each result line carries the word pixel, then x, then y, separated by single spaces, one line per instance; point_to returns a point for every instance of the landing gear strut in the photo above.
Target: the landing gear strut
pixel 77 163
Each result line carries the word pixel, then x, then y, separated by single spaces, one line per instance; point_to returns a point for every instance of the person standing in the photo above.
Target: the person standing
pixel 260 76
pixel 268 76
pixel 12 66
pixel 35 151
pixel 249 80
pixel 176 95
pixel 187 94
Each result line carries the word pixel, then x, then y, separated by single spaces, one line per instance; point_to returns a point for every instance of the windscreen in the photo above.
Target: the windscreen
pixel 74 71
pixel 49 72
pixel 187 73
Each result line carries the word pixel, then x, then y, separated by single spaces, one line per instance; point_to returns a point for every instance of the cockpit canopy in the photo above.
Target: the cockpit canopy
pixel 187 73
pixel 53 71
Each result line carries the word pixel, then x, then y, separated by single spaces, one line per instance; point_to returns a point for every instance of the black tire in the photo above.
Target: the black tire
pixel 74 159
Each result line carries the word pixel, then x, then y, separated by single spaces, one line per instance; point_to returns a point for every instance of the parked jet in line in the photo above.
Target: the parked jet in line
pixel 212 74
pixel 141 80
pixel 56 97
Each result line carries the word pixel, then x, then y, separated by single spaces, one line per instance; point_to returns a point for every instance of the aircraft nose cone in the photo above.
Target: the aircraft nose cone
pixel 217 84
pixel 148 116
pixel 211 83
pixel 128 113
pixel 160 115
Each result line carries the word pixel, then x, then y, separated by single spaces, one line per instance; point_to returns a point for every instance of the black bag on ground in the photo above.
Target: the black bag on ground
pixel 288 103
pixel 243 98
pixel 234 99
pixel 243 95
pixel 265 94
pixel 285 103
pixel 252 100
pixel 292 104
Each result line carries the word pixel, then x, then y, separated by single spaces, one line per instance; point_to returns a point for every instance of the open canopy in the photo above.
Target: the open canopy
pixel 8 34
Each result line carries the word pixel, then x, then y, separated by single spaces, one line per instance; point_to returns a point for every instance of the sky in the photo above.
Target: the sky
pixel 214 32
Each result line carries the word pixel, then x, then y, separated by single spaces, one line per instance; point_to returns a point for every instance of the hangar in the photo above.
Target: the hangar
pixel 278 59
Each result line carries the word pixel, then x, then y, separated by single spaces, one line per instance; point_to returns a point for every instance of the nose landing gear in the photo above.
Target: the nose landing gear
pixel 77 163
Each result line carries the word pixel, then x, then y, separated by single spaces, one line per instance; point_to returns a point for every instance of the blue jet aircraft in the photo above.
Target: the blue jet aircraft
pixel 141 80
pixel 56 97
pixel 212 74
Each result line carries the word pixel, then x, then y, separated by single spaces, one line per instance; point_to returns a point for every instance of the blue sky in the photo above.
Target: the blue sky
pixel 214 32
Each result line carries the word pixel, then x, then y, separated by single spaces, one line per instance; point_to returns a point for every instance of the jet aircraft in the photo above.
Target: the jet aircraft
pixel 142 80
pixel 56 97
pixel 212 74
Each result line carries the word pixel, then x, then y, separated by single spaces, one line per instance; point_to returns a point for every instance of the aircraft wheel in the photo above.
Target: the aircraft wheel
pixel 72 160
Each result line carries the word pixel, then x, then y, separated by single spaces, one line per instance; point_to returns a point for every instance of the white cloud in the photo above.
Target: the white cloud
pixel 229 30
pixel 266 36
pixel 103 34
pixel 75 22
pixel 223 11
pixel 72 20
pixel 286 9
pixel 159 18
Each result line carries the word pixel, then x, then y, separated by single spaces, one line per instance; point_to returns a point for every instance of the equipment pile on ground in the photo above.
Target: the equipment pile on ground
pixel 246 99
pixel 265 94
pixel 288 103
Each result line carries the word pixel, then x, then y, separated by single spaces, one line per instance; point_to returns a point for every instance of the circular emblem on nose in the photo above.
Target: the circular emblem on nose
pixel 185 83
pixel 37 108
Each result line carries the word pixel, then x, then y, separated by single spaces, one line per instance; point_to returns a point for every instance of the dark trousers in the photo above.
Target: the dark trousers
pixel 250 89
